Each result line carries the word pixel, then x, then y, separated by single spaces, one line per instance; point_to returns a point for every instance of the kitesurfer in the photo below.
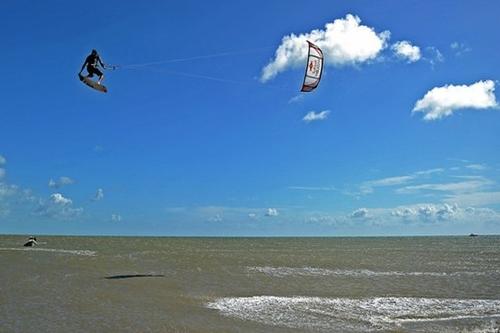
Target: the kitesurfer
pixel 92 62
pixel 31 241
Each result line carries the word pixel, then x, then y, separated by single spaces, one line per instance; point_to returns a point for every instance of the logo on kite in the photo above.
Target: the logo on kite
pixel 314 68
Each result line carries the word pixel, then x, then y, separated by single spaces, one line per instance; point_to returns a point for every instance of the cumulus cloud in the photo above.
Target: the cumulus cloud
pixel 345 41
pixel 272 212
pixel 13 197
pixel 313 116
pixel 8 194
pixel 426 211
pixel 62 181
pixel 451 212
pixel 7 190
pixel 417 214
pixel 441 102
pixel 216 218
pixel 99 195
pixel 57 206
pixel 359 213
pixel 59 199
pixel 405 50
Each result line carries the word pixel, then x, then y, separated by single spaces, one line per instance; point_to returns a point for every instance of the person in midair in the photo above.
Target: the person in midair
pixel 92 62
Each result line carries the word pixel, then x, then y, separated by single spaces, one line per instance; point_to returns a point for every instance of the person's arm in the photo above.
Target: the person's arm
pixel 101 63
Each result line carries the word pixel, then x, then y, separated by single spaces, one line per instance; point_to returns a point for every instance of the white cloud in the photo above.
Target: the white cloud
pixel 272 212
pixel 475 198
pixel 313 116
pixel 477 167
pixel 58 207
pixel 216 218
pixel 443 101
pixel 405 50
pixel 390 181
pixel 429 172
pixel 369 186
pixel 12 196
pixel 471 184
pixel 296 99
pixel 8 195
pixel 99 195
pixel 59 199
pixel 417 214
pixel 3 161
pixel 451 212
pixel 312 188
pixel 428 211
pixel 459 48
pixel 359 213
pixel 404 212
pixel 433 55
pixel 253 216
pixel 62 181
pixel 116 217
pixel 345 41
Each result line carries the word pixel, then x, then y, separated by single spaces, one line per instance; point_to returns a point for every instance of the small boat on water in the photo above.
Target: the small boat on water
pixel 31 242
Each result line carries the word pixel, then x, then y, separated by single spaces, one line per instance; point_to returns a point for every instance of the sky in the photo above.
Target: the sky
pixel 204 130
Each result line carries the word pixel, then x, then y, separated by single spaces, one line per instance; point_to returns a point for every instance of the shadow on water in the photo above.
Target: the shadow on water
pixel 131 276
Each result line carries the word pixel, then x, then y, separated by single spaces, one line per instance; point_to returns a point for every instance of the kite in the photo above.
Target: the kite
pixel 314 68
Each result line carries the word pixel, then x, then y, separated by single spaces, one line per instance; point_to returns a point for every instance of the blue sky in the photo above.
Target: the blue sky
pixel 400 137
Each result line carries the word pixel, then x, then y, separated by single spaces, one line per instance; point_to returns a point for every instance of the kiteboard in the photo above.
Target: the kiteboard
pixel 92 84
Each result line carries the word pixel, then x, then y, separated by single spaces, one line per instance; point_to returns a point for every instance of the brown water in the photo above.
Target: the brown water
pixel 132 284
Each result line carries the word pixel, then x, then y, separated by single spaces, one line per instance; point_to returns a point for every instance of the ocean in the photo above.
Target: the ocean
pixel 169 284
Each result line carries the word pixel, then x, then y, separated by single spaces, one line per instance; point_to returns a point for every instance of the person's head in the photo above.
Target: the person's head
pixel 94 52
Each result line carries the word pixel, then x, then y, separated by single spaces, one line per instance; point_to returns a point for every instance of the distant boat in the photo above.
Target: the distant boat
pixel 473 235
pixel 31 242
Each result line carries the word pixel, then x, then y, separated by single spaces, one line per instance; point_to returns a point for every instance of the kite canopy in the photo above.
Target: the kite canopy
pixel 314 68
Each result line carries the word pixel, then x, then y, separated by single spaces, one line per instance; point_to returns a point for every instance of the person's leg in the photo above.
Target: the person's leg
pixel 99 74
pixel 91 71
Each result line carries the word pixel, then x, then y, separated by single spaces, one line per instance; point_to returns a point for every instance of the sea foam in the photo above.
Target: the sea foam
pixel 350 314
pixel 313 271
pixel 62 251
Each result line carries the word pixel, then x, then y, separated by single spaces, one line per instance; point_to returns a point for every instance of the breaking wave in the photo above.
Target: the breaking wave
pixel 62 251
pixel 312 271
pixel 349 314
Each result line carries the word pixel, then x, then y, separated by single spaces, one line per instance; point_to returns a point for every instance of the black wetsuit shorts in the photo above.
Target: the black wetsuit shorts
pixel 93 70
